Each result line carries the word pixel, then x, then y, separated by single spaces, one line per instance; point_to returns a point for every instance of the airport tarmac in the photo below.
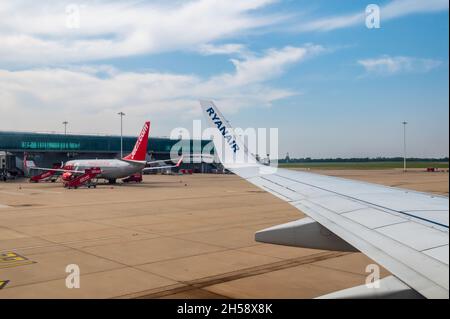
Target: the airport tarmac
pixel 170 237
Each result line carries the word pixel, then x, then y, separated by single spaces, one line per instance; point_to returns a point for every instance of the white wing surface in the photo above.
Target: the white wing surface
pixel 404 231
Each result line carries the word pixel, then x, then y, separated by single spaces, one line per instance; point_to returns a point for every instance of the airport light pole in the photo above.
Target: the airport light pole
pixel 65 127
pixel 121 133
pixel 404 146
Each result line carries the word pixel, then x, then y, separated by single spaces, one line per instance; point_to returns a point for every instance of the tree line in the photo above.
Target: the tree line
pixel 359 159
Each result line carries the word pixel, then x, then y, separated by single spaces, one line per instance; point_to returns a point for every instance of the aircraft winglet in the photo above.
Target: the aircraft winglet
pixel 231 151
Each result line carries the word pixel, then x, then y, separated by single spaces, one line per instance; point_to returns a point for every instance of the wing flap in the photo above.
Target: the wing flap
pixel 407 233
pixel 372 218
pixel 439 253
pixel 429 276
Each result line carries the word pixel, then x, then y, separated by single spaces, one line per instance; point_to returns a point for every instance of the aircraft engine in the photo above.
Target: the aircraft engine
pixel 66 176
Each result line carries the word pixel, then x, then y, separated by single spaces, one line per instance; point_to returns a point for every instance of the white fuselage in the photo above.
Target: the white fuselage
pixel 111 168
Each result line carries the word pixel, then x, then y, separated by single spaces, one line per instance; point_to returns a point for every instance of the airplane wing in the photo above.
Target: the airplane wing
pixel 157 162
pixel 180 160
pixel 404 231
pixel 56 170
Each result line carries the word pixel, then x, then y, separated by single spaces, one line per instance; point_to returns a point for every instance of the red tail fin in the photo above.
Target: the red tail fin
pixel 140 148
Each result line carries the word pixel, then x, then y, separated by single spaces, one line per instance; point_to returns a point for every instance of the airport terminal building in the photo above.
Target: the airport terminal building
pixel 45 149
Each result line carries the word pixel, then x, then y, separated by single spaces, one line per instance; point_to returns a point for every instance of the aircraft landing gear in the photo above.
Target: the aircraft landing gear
pixel 112 181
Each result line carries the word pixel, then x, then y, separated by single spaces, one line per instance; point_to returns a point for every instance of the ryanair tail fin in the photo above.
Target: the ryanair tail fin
pixel 231 151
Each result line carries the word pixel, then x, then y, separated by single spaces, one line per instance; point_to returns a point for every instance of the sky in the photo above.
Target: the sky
pixel 313 69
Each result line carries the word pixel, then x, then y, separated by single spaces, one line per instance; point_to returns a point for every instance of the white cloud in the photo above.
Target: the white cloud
pixel 387 65
pixel 399 8
pixel 331 23
pixel 392 10
pixel 90 97
pixel 224 49
pixel 271 65
pixel 36 32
